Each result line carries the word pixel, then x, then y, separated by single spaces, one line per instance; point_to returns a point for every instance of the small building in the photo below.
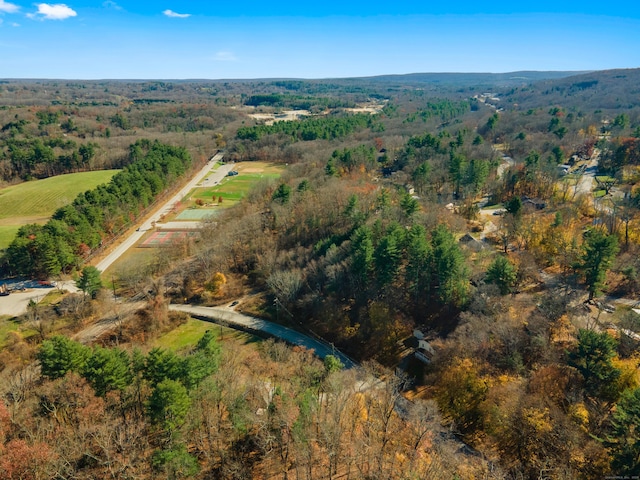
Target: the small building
pixel 424 352
pixel 471 242
pixel 534 202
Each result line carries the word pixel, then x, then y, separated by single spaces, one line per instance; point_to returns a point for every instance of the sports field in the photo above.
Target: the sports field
pixel 164 238
pixel 233 189
pixel 197 214
pixel 36 201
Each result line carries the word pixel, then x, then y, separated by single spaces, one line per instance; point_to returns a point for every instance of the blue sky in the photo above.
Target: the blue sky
pixel 258 39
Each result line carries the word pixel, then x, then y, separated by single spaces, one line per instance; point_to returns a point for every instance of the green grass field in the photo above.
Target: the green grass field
pixel 188 334
pixel 7 234
pixel 232 189
pixel 36 201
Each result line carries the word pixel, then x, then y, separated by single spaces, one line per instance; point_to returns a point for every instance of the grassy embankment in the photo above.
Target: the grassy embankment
pixel 187 335
pixel 36 201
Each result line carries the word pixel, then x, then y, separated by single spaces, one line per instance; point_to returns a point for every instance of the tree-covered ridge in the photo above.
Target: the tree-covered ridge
pixel 96 215
pixel 298 102
pixel 443 109
pixel 312 128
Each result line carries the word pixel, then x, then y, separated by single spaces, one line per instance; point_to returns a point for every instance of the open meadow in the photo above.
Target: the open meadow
pixel 36 201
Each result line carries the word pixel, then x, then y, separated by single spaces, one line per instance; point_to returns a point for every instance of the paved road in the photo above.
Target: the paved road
pixel 135 237
pixel 584 185
pixel 228 317
pixel 16 303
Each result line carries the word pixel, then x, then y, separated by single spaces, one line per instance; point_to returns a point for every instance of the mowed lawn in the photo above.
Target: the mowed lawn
pixel 36 201
pixel 233 189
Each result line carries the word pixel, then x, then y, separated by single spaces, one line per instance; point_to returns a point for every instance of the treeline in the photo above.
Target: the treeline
pixel 113 369
pixel 307 129
pixel 76 230
pixel 298 102
pixel 431 268
pixel 31 157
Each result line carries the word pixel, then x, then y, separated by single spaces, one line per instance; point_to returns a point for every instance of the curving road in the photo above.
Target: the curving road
pixel 227 317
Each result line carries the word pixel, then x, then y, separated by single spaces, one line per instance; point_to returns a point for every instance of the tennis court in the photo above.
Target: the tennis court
pixel 165 239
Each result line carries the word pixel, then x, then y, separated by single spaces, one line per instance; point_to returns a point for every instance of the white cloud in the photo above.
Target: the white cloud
pixel 224 57
pixel 6 7
pixel 59 11
pixel 172 14
pixel 111 4
pixel 14 24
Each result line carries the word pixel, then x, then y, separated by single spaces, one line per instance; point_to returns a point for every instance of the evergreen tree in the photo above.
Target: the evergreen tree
pixel 202 362
pixel 503 273
pixel 108 369
pixel 162 364
pixel 169 404
pixel 593 358
pixel 60 355
pixel 361 255
pixel 599 250
pixel 449 270
pixel 388 255
pixel 89 281
pixel 282 193
pixel 418 270
pixel 624 440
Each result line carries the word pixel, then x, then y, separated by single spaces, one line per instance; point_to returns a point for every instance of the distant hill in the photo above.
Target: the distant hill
pixel 470 79
pixel 605 90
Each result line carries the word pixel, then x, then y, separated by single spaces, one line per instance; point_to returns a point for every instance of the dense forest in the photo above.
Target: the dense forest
pixel 499 216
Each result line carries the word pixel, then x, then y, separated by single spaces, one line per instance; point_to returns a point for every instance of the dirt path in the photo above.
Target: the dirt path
pixel 92 332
